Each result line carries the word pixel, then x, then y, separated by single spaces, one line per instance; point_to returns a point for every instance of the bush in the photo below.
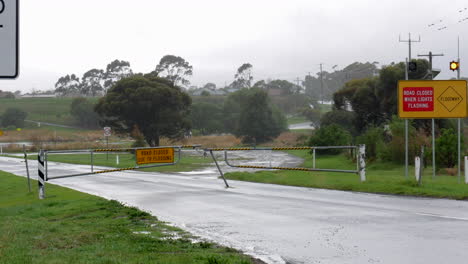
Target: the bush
pixel 343 118
pixel 83 111
pixel 373 139
pixel 446 149
pixel 393 147
pixel 13 117
pixel 332 135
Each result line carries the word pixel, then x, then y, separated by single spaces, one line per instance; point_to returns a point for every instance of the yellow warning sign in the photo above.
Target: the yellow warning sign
pixel 1 132
pixel 432 99
pixel 155 155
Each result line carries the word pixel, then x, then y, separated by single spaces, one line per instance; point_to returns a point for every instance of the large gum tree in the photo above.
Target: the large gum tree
pixel 154 105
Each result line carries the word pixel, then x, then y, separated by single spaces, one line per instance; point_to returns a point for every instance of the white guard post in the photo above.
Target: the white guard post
pixel 417 168
pixel 466 169
pixel 362 162
pixel 41 174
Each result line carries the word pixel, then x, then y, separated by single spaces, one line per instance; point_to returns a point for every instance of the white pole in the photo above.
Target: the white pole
pixel 117 159
pixel 313 159
pixel 362 162
pixel 466 169
pixel 417 167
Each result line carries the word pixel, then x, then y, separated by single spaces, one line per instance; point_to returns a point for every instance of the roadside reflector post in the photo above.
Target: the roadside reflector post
pixel 362 162
pixel 313 158
pixel 117 159
pixel 417 168
pixel 41 174
pixel 466 169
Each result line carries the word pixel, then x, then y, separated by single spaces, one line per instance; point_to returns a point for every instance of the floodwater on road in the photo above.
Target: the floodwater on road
pixel 282 224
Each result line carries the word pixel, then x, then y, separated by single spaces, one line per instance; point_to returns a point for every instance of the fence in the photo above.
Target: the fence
pixel 43 171
pixel 359 150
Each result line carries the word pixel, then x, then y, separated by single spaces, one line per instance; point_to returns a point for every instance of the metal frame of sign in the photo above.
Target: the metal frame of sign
pixel 17 47
pixel 439 109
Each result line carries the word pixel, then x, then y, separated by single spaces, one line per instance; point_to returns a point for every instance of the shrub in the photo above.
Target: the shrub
pixel 373 139
pixel 446 149
pixel 13 117
pixel 332 135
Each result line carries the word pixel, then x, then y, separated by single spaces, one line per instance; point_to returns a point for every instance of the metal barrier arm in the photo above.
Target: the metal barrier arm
pixel 284 168
pixel 219 169
pixel 115 170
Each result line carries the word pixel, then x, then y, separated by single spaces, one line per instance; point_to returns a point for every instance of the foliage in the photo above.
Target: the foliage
pixel 83 111
pixel 258 121
pixel 153 104
pixel 175 69
pixel 291 104
pixel 206 118
pixel 115 71
pixel 373 139
pixel 333 81
pixel 138 137
pixel 343 118
pixel 332 135
pixel 68 85
pixel 13 117
pixel 446 149
pixel 312 114
pixel 285 87
pixel 92 83
pixel 243 78
pixel 374 99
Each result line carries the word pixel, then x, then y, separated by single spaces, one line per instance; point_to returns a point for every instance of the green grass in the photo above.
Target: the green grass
pixel 381 178
pixel 297 120
pixel 73 227
pixel 186 163
pixel 52 110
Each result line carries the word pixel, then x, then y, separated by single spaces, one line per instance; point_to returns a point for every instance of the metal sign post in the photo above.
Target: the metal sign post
pixel 432 99
pixel 107 134
pixel 9 38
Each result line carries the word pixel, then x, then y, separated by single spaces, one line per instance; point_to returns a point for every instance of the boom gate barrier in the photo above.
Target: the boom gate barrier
pixel 359 150
pixel 161 155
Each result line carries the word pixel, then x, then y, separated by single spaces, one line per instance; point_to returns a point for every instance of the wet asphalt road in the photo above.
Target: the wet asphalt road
pixel 281 224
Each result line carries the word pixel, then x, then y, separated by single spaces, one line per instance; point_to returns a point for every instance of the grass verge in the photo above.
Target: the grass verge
pixel 73 227
pixel 381 178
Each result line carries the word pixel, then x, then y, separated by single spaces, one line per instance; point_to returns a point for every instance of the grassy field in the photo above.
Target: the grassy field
pixel 187 162
pixel 53 110
pixel 73 227
pixel 297 120
pixel 381 178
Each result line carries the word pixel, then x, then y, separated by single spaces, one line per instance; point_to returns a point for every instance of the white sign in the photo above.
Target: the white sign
pixel 107 131
pixel 9 10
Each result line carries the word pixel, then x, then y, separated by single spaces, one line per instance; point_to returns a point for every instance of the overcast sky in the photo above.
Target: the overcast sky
pixel 281 39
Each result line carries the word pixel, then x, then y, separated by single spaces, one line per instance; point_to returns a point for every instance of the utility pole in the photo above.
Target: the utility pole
pixel 298 81
pixel 406 120
pixel 431 74
pixel 409 40
pixel 321 83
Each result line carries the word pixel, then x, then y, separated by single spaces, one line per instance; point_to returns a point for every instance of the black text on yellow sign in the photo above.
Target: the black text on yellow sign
pixel 432 99
pixel 155 155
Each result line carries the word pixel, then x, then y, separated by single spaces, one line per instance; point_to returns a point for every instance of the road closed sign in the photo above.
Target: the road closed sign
pixel 432 99
pixel 9 38
pixel 155 155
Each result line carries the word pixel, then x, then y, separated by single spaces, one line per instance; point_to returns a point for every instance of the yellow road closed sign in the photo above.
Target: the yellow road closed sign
pixel 432 99
pixel 155 155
